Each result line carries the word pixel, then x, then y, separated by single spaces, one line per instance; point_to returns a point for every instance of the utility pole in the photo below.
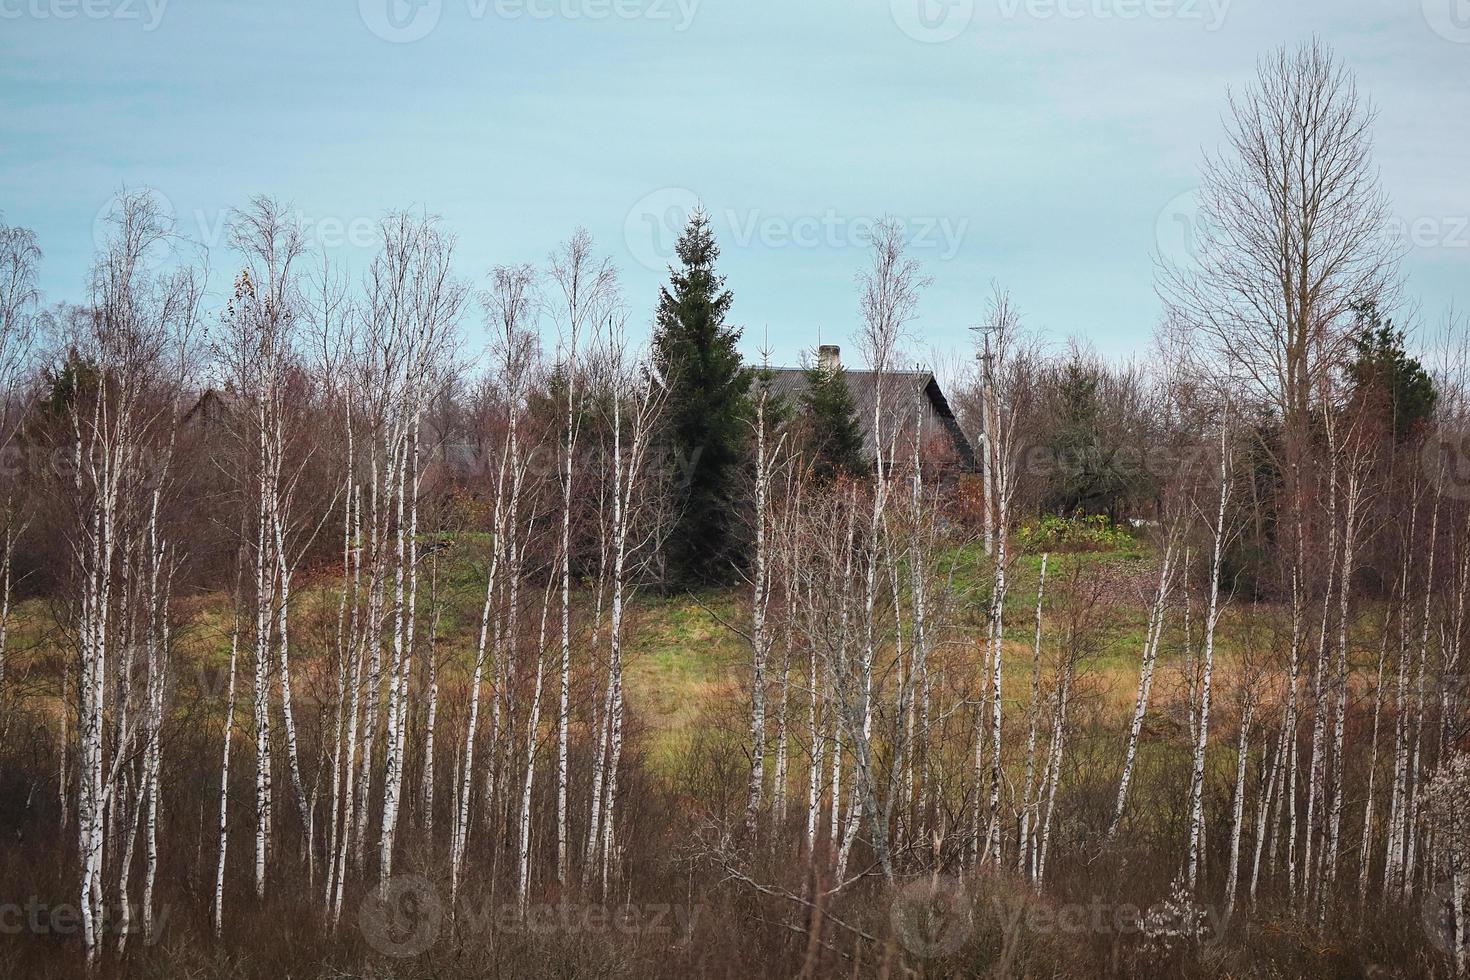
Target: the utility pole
pixel 987 484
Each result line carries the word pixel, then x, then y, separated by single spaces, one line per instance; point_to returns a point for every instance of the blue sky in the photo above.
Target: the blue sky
pixel 1050 145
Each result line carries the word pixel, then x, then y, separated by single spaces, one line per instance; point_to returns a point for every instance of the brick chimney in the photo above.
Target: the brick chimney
pixel 829 358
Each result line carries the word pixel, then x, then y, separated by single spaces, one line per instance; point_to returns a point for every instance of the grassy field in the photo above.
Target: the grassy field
pixel 685 658
pixel 687 662
pixel 682 661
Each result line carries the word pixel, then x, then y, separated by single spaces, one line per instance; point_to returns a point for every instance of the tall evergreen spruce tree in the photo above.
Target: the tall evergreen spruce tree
pixel 834 438
pixel 1093 475
pixel 1382 370
pixel 707 413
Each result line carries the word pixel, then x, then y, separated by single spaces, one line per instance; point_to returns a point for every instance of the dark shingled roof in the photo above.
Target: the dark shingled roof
pixel 899 389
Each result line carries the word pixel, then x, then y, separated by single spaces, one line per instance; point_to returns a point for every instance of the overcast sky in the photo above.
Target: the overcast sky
pixel 1050 145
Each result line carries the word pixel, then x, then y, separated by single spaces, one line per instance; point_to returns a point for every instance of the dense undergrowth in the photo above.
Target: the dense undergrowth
pixel 686 906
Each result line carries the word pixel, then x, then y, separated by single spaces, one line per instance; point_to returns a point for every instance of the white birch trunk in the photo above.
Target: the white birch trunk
pixel 467 768
pixel 1053 773
pixel 426 786
pixel 815 740
pixel 261 712
pixel 1335 790
pixel 563 716
pixel 1152 631
pixel 1197 779
pixel 1365 848
pixel 1026 818
pixel 224 786
pixel 1237 821
pixel 523 885
pixel 760 599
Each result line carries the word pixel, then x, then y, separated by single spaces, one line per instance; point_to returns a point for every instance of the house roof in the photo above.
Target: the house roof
pixel 212 400
pixel 898 388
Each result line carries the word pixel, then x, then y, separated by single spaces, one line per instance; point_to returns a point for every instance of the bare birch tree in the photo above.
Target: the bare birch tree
pixel 1212 618
pixel 136 335
pixel 586 289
